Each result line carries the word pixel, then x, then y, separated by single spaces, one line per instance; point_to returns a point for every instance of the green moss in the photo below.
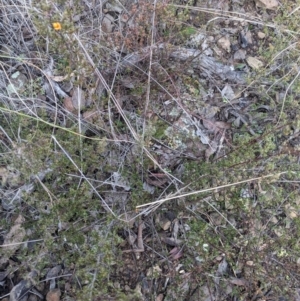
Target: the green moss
pixel 187 32
pixel 160 127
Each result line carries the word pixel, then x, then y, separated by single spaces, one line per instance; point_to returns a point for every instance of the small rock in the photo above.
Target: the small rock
pixel 224 43
pixel 261 35
pixel 165 224
pixel 254 63
pixel 250 263
pixel 107 23
pixel 53 295
pixel 245 38
pixel 240 54
pixel 248 37
pixel 160 297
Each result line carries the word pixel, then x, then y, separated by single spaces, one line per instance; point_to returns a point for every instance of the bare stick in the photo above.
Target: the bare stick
pixel 209 189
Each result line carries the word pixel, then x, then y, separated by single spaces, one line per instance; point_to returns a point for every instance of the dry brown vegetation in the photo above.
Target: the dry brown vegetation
pixel 149 150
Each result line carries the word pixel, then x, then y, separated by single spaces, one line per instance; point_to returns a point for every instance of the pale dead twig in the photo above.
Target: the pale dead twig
pixel 20 243
pixel 140 244
pixel 293 11
pixel 159 202
pixel 146 211
pixel 150 69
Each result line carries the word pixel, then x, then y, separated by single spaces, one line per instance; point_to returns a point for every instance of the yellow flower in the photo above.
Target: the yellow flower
pixel 56 26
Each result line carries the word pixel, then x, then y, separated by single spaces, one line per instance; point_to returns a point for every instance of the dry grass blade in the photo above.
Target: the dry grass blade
pixel 235 16
pixel 159 202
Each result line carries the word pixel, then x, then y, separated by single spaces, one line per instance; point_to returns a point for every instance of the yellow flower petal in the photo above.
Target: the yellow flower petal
pixel 56 25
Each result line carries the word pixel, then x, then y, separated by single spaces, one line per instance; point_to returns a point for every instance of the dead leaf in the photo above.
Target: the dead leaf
pixel 268 4
pixel 20 290
pixel 222 125
pixel 215 126
pixel 128 83
pixel 52 273
pixel 213 146
pixel 222 267
pixel 238 281
pixel 60 78
pixel 68 104
pixel 156 181
pixel 3 275
pixel 171 241
pixel 228 93
pixel 203 137
pixel 95 117
pixel 92 115
pixel 176 253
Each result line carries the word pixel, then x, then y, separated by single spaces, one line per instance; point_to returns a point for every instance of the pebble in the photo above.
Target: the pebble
pixel 261 35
